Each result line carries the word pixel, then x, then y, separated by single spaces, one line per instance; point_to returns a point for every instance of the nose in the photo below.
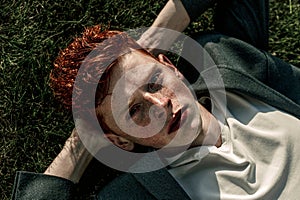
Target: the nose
pixel 156 99
pixel 159 104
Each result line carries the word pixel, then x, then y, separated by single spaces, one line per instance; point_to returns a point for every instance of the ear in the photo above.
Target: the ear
pixel 165 61
pixel 120 141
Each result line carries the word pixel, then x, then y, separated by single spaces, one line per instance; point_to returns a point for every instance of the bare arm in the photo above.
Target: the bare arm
pixel 74 158
pixel 176 16
pixel 72 161
pixel 173 16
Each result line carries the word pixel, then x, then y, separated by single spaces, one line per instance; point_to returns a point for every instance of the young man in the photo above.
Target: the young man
pixel 251 155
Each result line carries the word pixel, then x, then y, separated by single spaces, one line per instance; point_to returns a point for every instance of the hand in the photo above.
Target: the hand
pixel 157 40
pixel 91 136
pixel 168 25
pixel 74 158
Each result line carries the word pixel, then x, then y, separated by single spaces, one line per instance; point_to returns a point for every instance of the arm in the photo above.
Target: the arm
pixel 74 158
pixel 60 178
pixel 176 15
pixel 173 16
pixel 29 185
pixel 72 161
pixel 58 182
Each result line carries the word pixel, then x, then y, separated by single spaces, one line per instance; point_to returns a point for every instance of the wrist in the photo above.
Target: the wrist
pixel 168 25
pixel 72 161
pixel 173 16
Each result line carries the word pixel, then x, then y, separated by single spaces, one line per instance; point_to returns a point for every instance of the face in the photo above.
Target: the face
pixel 148 104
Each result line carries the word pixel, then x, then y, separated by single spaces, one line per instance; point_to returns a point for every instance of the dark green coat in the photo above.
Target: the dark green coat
pixel 244 69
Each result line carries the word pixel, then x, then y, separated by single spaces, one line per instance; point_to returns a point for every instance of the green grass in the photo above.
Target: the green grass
pixel 33 126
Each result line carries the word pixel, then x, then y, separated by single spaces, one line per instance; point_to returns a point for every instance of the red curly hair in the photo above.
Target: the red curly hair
pixel 96 64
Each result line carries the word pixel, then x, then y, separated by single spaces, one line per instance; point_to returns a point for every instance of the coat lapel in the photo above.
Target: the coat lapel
pixel 234 80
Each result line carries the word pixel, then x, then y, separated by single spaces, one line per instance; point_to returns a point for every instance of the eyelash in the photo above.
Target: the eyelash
pixel 134 109
pixel 155 83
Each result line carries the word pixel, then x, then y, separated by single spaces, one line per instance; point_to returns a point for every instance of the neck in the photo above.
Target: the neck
pixel 210 133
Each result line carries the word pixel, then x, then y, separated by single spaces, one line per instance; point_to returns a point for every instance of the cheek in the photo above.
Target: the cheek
pixel 171 94
pixel 168 92
pixel 110 124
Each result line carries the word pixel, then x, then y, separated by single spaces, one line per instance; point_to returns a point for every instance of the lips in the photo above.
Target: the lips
pixel 176 121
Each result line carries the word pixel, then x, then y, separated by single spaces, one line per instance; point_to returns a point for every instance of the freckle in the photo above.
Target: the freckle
pixel 195 123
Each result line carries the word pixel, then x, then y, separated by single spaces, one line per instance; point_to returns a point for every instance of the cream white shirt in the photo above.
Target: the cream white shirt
pixel 259 157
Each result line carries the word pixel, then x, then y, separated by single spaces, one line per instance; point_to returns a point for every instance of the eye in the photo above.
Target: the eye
pixel 134 109
pixel 155 83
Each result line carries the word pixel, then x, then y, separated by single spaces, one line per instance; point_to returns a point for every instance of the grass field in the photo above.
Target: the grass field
pixel 33 126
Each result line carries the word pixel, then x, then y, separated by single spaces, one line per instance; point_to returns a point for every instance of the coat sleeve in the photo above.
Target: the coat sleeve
pixel 245 58
pixel 243 69
pixel 196 7
pixel 37 186
pixel 124 187
pixel 158 184
pixel 284 77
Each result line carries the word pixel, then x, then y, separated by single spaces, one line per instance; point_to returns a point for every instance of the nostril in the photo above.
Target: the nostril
pixel 158 112
pixel 160 115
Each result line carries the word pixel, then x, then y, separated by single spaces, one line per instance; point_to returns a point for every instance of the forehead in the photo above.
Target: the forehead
pixel 132 68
